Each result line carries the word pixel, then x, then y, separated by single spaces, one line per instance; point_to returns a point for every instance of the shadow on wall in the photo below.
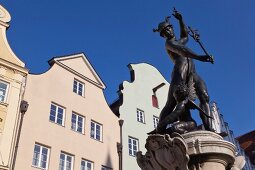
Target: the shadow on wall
pixel 108 161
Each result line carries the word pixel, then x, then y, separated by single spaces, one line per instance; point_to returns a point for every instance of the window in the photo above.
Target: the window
pixel 78 87
pixel 155 121
pixel 86 165
pixel 57 114
pixel 66 162
pixel 77 123
pixel 154 101
pixel 3 91
pixel 41 156
pixel 132 146
pixel 105 168
pixel 140 116
pixel 96 131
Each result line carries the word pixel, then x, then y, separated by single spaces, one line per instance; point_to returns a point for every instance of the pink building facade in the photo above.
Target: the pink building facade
pixel 68 124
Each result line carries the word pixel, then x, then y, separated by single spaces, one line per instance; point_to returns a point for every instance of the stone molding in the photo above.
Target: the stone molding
pixel 209 151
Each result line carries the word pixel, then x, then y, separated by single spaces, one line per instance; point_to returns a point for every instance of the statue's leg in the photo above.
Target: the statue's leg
pixel 203 97
pixel 169 106
pixel 173 116
pixel 167 110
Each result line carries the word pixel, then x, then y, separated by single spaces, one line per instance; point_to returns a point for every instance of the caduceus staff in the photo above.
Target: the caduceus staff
pixel 195 35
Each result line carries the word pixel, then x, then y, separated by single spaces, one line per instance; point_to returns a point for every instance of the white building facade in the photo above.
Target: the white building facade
pixel 139 105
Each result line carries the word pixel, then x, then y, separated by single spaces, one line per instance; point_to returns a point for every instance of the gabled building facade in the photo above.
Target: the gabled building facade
pixel 12 82
pixel 139 105
pixel 68 125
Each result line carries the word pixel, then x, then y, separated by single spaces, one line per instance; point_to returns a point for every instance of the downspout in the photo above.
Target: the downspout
pixel 120 145
pixel 23 109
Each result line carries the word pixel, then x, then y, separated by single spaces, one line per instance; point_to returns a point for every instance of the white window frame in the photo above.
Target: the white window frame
pixel 65 160
pixel 75 125
pixel 155 121
pixel 86 162
pixel 132 146
pixel 78 84
pixel 6 91
pixel 105 168
pixel 39 163
pixel 140 115
pixel 93 133
pixel 56 114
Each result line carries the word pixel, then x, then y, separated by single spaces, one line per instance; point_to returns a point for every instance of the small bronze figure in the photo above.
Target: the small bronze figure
pixel 178 103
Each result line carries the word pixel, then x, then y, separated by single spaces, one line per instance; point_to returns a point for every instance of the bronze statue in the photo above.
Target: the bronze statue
pixel 183 78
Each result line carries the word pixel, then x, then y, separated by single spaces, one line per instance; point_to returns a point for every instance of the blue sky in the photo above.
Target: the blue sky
pixel 115 33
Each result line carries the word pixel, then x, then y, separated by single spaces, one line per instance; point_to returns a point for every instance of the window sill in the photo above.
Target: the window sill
pixel 82 133
pixel 141 122
pixel 132 155
pixel 56 123
pixel 33 166
pixel 97 140
pixel 79 95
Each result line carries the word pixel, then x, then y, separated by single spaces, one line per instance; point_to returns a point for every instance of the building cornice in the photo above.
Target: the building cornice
pixel 21 70
pixel 4 24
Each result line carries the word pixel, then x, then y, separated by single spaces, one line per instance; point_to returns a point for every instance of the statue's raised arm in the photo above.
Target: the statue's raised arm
pixel 184 36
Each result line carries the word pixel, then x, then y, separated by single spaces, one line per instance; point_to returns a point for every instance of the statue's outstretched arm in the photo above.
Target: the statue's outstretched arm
pixel 183 51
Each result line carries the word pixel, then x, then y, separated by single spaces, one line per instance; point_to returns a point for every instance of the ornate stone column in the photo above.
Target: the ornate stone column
pixel 208 151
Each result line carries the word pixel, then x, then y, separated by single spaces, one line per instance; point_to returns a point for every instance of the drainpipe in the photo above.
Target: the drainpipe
pixel 23 108
pixel 120 145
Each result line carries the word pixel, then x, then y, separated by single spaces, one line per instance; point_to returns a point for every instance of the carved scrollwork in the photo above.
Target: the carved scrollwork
pixel 164 153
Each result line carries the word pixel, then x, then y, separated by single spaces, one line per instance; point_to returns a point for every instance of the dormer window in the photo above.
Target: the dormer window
pixel 78 87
